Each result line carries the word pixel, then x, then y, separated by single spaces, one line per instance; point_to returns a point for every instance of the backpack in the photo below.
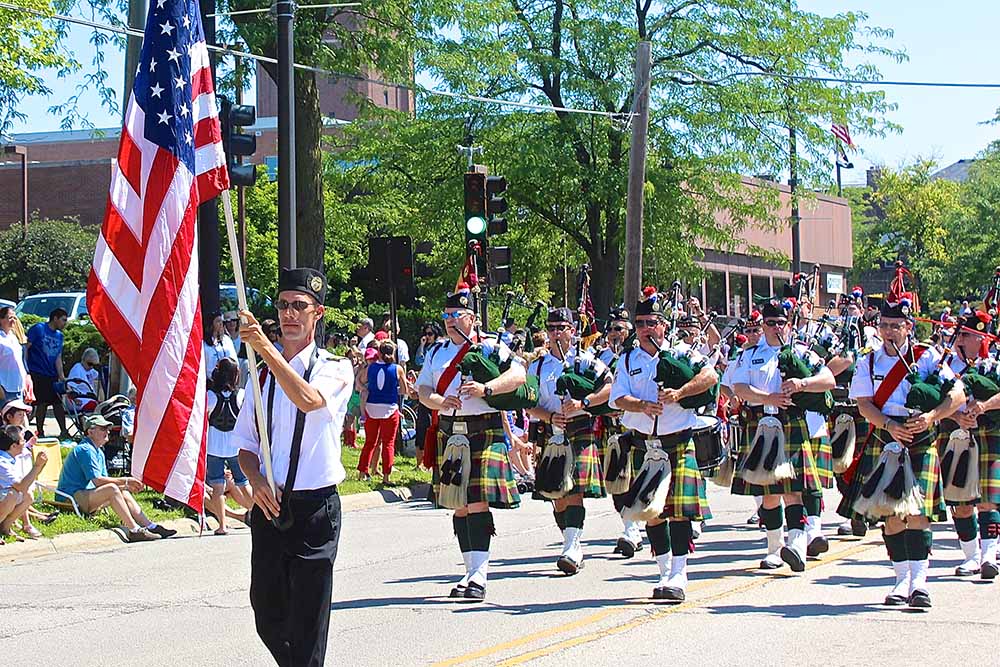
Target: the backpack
pixel 223 417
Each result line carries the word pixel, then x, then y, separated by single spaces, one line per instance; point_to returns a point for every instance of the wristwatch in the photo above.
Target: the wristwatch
pixel 585 402
pixel 487 391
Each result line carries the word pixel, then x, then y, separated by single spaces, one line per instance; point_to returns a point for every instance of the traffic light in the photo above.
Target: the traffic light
pixel 422 269
pixel 499 265
pixel 237 144
pixel 390 260
pixel 496 204
pixel 475 210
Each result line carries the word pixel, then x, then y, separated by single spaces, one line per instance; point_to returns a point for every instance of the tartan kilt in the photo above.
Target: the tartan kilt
pixel 851 492
pixel 823 451
pixel 491 479
pixel 987 437
pixel 926 465
pixel 688 495
pixel 588 477
pixel 798 450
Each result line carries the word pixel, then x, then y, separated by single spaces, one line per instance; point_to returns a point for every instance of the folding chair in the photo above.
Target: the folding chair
pixel 79 390
pixel 48 478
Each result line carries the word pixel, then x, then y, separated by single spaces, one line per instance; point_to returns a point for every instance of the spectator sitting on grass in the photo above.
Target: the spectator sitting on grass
pixel 85 478
pixel 16 413
pixel 14 497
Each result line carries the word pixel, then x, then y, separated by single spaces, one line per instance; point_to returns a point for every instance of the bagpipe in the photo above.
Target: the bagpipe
pixel 982 382
pixel 794 367
pixel 579 380
pixel 674 368
pixel 925 394
pixel 482 363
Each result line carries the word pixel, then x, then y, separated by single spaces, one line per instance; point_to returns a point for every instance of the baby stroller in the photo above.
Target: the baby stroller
pixel 118 451
pixel 79 400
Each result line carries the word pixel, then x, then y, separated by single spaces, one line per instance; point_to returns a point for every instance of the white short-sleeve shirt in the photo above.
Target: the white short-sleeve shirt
pixel 635 376
pixel 548 369
pixel 865 384
pixel 438 359
pixel 319 458
pixel 758 367
pixel 220 443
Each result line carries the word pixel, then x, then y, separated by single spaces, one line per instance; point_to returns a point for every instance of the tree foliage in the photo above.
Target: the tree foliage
pixel 56 255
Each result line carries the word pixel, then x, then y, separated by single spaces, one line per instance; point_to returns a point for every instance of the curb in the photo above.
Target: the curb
pixel 104 540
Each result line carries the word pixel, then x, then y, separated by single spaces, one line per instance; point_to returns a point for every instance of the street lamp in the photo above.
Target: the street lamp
pixel 22 151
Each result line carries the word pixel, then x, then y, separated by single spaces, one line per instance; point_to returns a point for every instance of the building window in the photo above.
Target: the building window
pixel 738 291
pixel 779 287
pixel 271 164
pixel 715 292
pixel 385 95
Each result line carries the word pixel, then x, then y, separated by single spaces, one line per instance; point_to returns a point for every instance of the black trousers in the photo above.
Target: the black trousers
pixel 291 578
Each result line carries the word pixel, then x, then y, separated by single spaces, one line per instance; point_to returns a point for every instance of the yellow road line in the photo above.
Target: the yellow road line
pixel 616 609
pixel 624 627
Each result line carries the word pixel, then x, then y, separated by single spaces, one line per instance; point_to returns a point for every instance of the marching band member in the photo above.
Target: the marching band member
pixel 463 412
pixel 659 420
pixel 563 414
pixel 977 535
pixel 881 386
pixel 777 461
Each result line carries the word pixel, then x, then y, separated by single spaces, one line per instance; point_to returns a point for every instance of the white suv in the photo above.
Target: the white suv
pixel 74 303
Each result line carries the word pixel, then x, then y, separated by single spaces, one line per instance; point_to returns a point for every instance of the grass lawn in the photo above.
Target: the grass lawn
pixel 404 473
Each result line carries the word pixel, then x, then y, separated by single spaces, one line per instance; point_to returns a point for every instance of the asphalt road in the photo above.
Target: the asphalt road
pixel 184 601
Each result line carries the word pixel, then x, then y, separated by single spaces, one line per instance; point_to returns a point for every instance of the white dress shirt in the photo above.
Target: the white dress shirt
pixel 548 369
pixel 863 385
pixel 12 370
pixel 319 459
pixel 758 367
pixel 438 359
pixel 635 376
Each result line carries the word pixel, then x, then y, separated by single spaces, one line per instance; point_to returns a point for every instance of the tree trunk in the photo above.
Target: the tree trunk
pixel 311 223
pixel 604 279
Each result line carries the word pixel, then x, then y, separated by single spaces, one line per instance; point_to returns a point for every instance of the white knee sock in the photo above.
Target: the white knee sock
pixel 479 563
pixel 902 570
pixel 989 546
pixel 918 574
pixel 678 572
pixel 663 561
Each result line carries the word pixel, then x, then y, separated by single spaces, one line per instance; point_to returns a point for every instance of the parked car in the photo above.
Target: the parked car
pixel 257 300
pixel 5 302
pixel 74 303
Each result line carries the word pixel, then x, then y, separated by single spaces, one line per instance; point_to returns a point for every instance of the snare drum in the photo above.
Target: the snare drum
pixel 708 442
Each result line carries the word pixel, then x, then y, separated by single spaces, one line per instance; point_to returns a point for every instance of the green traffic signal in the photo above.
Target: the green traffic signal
pixel 475 225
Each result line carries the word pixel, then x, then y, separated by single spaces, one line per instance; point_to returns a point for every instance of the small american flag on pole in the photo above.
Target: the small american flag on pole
pixel 143 288
pixel 842 133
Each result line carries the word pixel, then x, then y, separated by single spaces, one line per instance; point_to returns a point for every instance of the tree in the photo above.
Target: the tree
pixel 261 266
pixel 56 255
pixel 568 171
pixel 28 44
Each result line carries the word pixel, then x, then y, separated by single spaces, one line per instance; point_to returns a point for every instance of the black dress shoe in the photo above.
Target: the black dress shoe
pixel 962 571
pixel 844 529
pixel 660 593
pixel 457 592
pixel 163 531
pixel 475 592
pixel 753 520
pixel 988 571
pixel 894 600
pixel 859 527
pixel 791 557
pixel 568 566
pixel 818 545
pixel 920 599
pixel 625 547
pixel 673 594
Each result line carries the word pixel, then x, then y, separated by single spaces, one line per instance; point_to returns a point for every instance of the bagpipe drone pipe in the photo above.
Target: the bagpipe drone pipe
pixel 482 362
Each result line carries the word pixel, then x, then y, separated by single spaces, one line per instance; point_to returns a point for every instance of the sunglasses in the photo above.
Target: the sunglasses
pixel 298 305
pixel 619 329
pixel 754 330
pixel 556 327
pixel 455 315
pixel 775 323
pixel 648 323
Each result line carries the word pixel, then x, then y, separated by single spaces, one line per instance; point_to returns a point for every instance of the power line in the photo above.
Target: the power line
pixel 694 78
pixel 319 70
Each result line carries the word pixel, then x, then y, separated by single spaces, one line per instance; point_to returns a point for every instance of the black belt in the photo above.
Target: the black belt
pixel 669 440
pixel 757 412
pixel 313 494
pixel 474 422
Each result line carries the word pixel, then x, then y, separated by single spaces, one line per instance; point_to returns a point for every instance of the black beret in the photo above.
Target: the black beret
pixel 771 309
pixel 306 280
pixel 619 313
pixel 561 314
pixel 460 299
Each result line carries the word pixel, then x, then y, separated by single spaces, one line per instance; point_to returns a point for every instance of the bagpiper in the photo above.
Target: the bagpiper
pixel 669 492
pixel 902 390
pixel 777 381
pixel 473 473
pixel 569 468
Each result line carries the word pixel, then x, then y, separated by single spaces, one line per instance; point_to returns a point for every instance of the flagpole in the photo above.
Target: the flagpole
pixel 836 161
pixel 241 297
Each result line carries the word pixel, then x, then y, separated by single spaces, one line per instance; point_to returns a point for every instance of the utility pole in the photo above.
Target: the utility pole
pixel 133 46
pixel 637 176
pixel 284 10
pixel 793 183
pixel 208 212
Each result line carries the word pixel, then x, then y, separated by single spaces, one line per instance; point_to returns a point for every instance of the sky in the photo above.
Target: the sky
pixel 944 43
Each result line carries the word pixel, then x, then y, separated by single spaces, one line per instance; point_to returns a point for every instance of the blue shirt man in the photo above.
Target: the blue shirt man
pixel 46 346
pixel 83 464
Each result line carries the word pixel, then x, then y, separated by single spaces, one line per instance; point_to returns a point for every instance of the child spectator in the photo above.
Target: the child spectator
pixel 14 496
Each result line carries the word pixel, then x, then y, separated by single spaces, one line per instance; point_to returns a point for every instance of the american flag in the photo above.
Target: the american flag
pixel 143 288
pixel 842 133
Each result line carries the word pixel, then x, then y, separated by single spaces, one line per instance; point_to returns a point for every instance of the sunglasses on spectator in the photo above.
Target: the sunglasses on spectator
pixel 454 316
pixel 753 330
pixel 619 328
pixel 775 323
pixel 556 327
pixel 298 305
pixel 648 323
pixel 428 333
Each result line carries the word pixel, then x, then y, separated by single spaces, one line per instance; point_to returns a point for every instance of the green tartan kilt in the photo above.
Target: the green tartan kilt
pixel 688 495
pixel 851 492
pixel 824 460
pixel 926 465
pixel 588 475
pixel 987 438
pixel 491 479
pixel 798 450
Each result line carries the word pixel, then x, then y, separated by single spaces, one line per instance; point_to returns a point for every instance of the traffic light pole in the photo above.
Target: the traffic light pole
pixel 285 13
pixel 637 177
pixel 208 212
